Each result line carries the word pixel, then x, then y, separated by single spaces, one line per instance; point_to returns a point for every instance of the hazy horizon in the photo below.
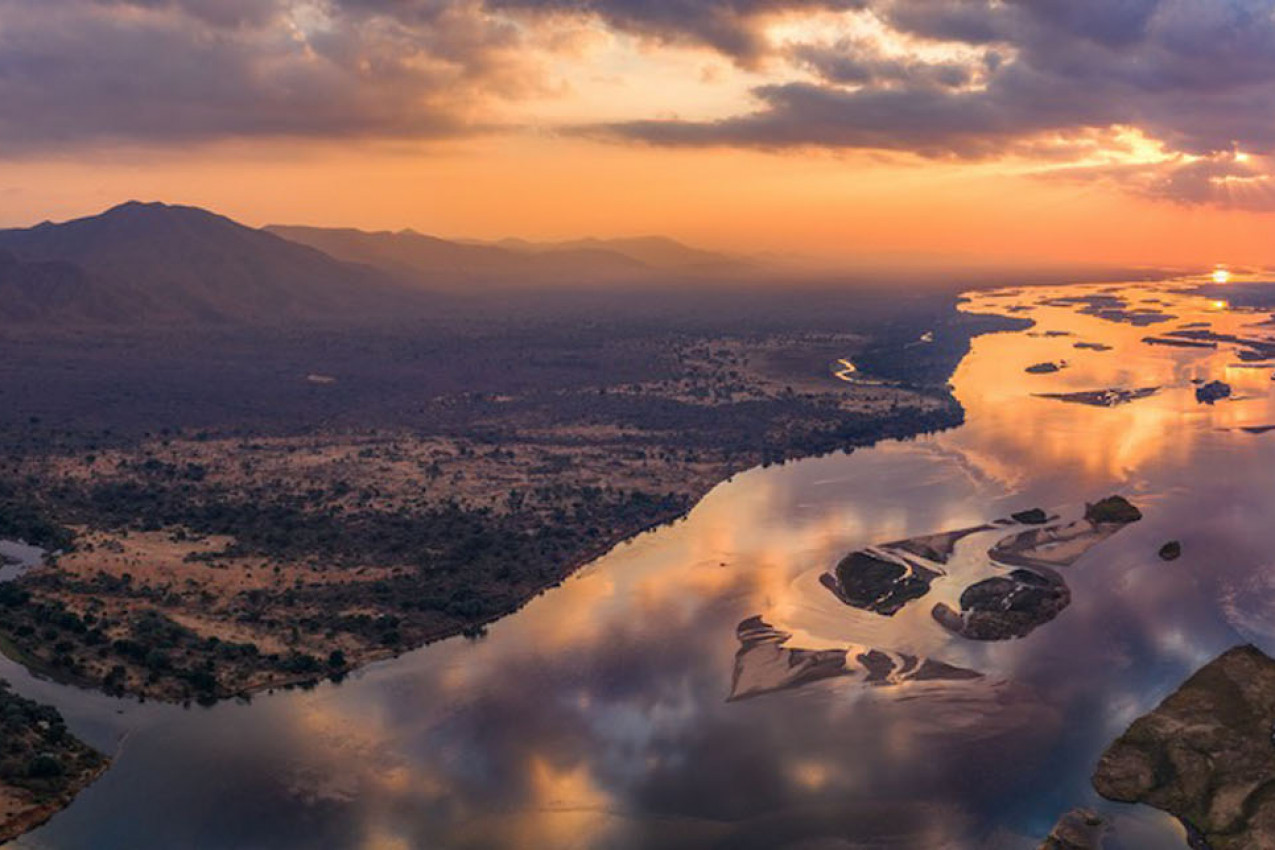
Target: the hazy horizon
pixel 1007 132
pixel 893 264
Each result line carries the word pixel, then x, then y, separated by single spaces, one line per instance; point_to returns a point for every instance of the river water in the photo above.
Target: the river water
pixel 598 716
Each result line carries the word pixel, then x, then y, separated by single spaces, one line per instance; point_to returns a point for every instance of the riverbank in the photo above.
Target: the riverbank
pixel 43 766
pixel 211 565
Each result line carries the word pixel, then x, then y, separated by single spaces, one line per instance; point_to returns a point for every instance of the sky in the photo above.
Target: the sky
pixel 1135 132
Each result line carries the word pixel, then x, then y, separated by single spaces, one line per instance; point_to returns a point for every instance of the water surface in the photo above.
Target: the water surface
pixel 597 717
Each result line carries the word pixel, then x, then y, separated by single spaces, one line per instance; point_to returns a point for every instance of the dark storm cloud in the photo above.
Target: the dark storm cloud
pixel 730 26
pixel 77 71
pixel 855 63
pixel 923 119
pixel 1196 75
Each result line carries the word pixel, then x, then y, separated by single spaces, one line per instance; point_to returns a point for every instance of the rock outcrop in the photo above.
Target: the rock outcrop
pixel 1206 754
pixel 1079 829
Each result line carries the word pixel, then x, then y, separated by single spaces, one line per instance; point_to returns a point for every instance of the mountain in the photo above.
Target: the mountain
pixel 442 264
pixel 31 291
pixel 152 262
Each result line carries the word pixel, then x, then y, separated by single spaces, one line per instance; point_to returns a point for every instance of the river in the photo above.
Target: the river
pixel 597 717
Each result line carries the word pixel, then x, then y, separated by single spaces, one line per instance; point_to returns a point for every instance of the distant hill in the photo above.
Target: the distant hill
pixel 656 252
pixel 510 264
pixel 151 262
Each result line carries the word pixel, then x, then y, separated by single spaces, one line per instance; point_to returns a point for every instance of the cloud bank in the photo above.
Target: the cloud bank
pixel 82 71
pixel 1058 80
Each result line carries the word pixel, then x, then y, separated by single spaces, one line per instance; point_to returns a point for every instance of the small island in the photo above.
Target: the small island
pixel 1212 391
pixel 1046 368
pixel 1031 516
pixel 1006 607
pixel 1112 397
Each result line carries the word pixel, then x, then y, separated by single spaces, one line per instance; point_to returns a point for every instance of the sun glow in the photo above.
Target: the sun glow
pixel 1221 275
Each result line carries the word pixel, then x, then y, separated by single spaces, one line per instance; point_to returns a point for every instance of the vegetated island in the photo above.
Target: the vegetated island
pixel 43 765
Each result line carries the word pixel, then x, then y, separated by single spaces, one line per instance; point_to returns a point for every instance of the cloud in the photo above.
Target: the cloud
pixel 963 79
pixel 1220 180
pixel 1198 76
pixel 162 71
pixel 732 27
pixel 857 62
pixel 922 119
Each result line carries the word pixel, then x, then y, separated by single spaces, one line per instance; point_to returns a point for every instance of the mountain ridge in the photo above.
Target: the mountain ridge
pixel 433 262
pixel 142 262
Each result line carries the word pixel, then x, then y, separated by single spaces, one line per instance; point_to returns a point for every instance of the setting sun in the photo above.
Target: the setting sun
pixel 1221 275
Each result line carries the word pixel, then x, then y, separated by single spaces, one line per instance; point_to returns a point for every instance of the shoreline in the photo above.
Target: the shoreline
pixel 34 818
pixel 949 415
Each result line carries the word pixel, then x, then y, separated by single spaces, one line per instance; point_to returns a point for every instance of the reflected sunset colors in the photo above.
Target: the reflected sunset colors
pixel 598 715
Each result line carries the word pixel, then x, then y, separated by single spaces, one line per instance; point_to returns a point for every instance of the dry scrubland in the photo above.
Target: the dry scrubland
pixel 411 494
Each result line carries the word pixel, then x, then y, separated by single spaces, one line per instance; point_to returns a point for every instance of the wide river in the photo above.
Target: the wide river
pixel 598 716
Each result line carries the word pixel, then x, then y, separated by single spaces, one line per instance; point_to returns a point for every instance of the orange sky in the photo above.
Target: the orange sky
pixel 814 203
pixel 510 158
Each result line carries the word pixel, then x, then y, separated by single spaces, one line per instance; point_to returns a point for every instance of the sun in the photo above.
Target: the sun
pixel 1221 275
